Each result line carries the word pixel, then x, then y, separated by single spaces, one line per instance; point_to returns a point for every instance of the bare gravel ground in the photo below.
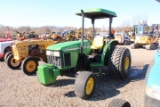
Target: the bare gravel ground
pixel 20 90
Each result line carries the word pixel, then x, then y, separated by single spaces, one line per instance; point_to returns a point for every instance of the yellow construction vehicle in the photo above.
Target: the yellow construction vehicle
pixel 70 35
pixel 144 37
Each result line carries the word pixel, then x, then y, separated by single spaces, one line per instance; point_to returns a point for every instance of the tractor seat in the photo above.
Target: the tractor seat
pixel 97 43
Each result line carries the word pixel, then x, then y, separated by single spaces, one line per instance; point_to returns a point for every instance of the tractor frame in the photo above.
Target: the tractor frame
pixel 84 59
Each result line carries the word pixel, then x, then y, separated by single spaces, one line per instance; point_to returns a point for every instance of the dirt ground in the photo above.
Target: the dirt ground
pixel 20 90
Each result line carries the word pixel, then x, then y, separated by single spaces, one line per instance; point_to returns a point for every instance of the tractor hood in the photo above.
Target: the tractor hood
pixel 69 46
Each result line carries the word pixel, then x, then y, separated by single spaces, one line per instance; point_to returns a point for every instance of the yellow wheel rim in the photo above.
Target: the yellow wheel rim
pixel 31 66
pixel 89 86
pixel 126 63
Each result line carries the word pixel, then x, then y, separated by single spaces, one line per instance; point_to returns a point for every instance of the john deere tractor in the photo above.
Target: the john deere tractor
pixel 28 52
pixel 144 37
pixel 86 59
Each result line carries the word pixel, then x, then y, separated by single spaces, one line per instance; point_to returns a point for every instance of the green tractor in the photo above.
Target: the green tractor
pixel 85 58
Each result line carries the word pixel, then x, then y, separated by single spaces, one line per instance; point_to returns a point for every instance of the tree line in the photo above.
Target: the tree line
pixel 48 29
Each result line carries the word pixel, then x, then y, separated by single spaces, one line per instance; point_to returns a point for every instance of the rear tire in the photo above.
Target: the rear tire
pixel 119 103
pixel 11 63
pixel 29 65
pixel 84 84
pixel 6 55
pixel 120 63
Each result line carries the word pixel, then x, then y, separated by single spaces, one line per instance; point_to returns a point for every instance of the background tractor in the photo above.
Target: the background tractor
pixel 28 52
pixel 70 35
pixel 144 38
pixel 6 43
pixel 89 59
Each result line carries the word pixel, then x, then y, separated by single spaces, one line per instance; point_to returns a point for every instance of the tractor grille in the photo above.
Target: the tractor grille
pixel 16 53
pixel 67 59
pixel 57 61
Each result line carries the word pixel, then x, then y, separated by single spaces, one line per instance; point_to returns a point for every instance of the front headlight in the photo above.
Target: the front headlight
pixel 53 53
pixel 153 93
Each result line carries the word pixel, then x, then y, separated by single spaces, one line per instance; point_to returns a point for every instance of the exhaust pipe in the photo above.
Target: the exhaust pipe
pixel 82 36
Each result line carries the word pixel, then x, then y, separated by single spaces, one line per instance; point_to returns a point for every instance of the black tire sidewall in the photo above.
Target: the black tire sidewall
pixel 124 72
pixel 81 82
pixel 116 64
pixel 119 103
pixel 6 55
pixel 91 76
pixel 8 62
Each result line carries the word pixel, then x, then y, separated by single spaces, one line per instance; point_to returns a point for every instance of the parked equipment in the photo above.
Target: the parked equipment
pixel 28 52
pixel 144 38
pixel 89 59
pixel 6 43
pixel 123 38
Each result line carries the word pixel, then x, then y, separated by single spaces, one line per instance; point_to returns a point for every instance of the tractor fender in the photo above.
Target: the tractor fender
pixel 48 73
pixel 8 48
pixel 4 51
pixel 3 45
pixel 108 49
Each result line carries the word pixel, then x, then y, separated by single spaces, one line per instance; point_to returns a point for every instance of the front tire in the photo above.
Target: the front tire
pixel 120 63
pixel 11 62
pixel 84 84
pixel 119 103
pixel 29 65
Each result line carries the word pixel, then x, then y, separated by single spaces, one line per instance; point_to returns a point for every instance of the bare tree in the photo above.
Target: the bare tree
pixel 139 20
